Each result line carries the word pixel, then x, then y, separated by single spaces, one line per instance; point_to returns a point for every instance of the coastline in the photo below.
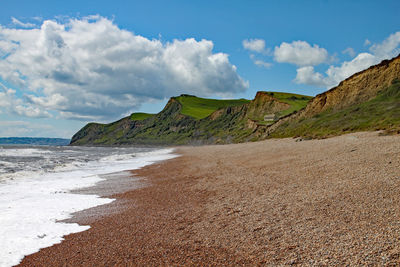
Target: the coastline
pixel 36 204
pixel 276 202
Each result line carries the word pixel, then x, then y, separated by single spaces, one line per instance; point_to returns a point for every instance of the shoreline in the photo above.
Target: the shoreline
pixel 113 184
pixel 276 202
pixel 37 204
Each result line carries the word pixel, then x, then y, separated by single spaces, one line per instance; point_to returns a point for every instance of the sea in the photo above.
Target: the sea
pixel 39 185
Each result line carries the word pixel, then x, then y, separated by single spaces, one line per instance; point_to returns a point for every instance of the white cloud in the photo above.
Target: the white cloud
pixel 258 46
pixel 254 45
pixel 306 75
pixel 91 69
pixel 300 53
pixel 337 74
pixel 6 47
pixel 260 62
pixel 389 48
pixel 21 24
pixel 367 42
pixel 11 104
pixel 349 51
pixel 334 75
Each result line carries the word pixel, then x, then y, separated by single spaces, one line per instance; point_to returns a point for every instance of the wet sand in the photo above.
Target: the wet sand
pixel 276 202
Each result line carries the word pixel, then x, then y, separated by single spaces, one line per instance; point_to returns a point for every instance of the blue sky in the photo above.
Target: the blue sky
pixel 54 87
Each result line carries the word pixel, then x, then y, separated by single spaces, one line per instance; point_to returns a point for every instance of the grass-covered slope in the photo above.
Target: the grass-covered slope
pixel 380 112
pixel 139 116
pixel 200 108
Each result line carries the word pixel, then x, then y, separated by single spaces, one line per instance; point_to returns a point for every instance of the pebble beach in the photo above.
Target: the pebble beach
pixel 329 202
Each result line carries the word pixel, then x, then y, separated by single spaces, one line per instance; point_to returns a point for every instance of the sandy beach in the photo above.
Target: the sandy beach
pixel 277 202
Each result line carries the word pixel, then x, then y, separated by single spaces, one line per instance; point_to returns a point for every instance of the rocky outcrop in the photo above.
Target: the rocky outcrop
pixel 226 111
pixel 265 103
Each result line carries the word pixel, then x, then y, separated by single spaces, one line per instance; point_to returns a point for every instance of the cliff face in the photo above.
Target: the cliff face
pixel 362 87
pixel 265 103
pixel 262 104
pixel 170 126
pixel 356 89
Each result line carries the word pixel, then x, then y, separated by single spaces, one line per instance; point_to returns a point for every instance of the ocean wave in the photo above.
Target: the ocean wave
pixel 34 198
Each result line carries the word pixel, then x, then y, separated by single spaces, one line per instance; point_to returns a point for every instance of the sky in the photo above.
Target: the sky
pixel 66 63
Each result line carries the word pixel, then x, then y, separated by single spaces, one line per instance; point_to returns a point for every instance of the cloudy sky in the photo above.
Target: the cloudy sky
pixel 63 64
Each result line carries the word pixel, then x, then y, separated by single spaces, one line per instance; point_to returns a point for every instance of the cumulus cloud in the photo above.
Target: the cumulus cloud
pixel 348 68
pixel 19 23
pixel 307 75
pixel 11 104
pixel 254 45
pixel 300 53
pixel 335 74
pixel 389 48
pixel 257 46
pixel 90 69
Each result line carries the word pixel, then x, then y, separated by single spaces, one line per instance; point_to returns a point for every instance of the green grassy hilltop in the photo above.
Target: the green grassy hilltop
pixel 139 116
pixel 200 108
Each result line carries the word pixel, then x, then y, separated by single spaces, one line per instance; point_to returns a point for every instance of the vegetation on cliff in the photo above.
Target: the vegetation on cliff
pixel 192 120
pixel 380 113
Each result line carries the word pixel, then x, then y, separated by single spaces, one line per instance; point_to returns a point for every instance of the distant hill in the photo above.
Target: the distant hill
pixel 188 119
pixel 34 141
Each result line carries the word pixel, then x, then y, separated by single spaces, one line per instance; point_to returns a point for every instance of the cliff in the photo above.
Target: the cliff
pixel 356 89
pixel 192 120
pixel 368 100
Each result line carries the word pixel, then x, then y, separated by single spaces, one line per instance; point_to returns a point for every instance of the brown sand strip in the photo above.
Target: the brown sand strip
pixel 276 202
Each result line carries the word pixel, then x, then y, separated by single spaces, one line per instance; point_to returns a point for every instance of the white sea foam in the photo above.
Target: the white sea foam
pixel 32 203
pixel 21 152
